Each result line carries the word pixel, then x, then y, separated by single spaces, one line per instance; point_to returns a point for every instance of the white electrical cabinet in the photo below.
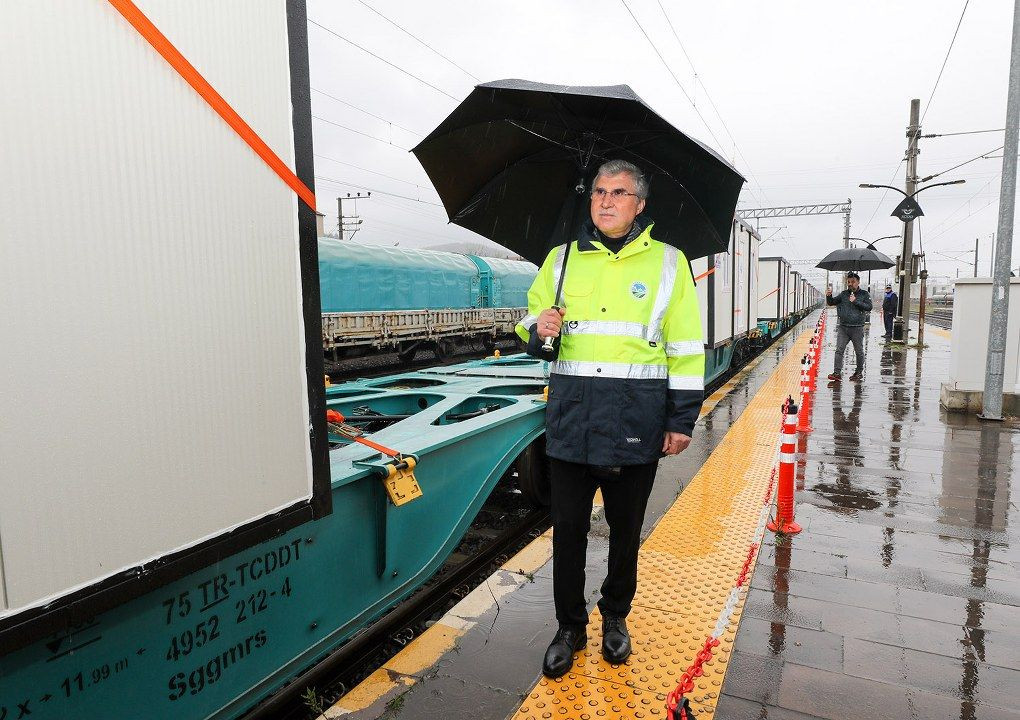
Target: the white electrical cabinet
pixel 972 302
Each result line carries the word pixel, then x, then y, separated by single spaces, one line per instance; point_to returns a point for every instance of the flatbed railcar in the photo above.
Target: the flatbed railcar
pixel 404 300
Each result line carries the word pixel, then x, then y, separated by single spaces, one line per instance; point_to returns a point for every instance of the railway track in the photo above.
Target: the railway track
pixel 938 318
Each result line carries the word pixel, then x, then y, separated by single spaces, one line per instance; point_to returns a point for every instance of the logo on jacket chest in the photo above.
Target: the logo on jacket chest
pixel 638 289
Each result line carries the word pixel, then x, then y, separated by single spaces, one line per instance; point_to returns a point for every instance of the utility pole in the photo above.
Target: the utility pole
pixel 351 223
pixel 995 359
pixel 975 255
pixel 901 325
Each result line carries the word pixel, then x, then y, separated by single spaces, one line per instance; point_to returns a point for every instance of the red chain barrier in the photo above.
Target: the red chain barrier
pixel 677 705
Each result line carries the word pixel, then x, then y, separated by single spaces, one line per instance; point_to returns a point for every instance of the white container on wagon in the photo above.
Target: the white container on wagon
pixel 773 278
pixel 175 409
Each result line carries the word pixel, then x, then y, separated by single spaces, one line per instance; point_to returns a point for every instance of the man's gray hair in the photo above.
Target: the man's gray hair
pixel 615 167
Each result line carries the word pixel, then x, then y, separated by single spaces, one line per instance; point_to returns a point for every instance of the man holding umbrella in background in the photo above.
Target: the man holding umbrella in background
pixel 852 308
pixel 626 387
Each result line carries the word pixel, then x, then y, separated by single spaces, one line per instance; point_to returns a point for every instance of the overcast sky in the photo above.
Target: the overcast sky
pixel 807 99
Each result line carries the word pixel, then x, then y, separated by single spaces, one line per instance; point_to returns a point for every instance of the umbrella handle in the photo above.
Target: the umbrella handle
pixel 547 346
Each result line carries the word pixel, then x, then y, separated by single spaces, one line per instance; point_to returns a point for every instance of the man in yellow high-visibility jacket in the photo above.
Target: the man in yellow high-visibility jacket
pixel 626 386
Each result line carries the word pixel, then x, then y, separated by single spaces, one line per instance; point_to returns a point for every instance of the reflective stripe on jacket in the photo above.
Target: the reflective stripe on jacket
pixel 631 362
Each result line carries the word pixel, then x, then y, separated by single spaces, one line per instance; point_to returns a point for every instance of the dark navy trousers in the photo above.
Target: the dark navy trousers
pixel 625 499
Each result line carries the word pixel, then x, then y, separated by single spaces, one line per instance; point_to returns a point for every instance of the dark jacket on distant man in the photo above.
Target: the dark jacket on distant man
pixel 851 314
pixel 889 303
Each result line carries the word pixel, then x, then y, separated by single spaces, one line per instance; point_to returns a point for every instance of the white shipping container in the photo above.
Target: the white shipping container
pixel 773 274
pixel 753 278
pixel 155 357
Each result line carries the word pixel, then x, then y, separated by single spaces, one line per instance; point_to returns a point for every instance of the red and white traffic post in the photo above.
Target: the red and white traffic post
pixel 783 522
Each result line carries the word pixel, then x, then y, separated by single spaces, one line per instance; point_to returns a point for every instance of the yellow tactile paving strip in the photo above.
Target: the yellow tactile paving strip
pixel 687 567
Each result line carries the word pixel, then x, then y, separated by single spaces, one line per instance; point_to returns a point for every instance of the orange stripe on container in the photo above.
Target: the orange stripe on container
pixel 704 274
pixel 186 70
pixel 768 293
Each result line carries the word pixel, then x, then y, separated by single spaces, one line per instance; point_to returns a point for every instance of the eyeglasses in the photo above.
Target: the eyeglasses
pixel 617 194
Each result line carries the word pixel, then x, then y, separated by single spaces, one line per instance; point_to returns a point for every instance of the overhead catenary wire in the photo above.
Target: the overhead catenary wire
pixel 420 41
pixel 665 64
pixel 966 132
pixel 945 60
pixel 884 193
pixel 366 112
pixel 359 132
pixel 417 209
pixel 969 215
pixel 927 105
pixel 982 156
pixel 375 172
pixel 964 204
pixel 381 59
pixel 338 181
pixel 711 102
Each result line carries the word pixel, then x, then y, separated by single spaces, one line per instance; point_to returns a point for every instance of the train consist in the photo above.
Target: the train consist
pixel 404 300
pixel 185 548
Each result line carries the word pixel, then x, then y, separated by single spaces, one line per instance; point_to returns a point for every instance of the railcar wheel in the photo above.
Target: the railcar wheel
pixel 532 468
pixel 444 350
pixel 407 352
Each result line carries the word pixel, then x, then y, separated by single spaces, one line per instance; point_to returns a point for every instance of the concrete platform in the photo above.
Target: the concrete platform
pixel 484 657
pixel 901 597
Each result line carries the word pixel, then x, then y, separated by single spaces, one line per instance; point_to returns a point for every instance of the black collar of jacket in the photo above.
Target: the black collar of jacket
pixel 591 234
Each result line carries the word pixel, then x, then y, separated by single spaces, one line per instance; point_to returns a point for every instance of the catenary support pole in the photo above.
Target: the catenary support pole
pixel 920 308
pixel 901 324
pixel 995 360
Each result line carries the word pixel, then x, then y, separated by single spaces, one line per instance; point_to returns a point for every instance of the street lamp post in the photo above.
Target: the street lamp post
pixel 901 325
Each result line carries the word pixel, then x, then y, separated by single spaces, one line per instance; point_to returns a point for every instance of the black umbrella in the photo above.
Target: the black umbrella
pixel 514 162
pixel 855 259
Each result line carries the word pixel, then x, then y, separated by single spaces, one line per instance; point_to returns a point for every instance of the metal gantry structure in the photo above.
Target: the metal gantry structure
pixel 836 208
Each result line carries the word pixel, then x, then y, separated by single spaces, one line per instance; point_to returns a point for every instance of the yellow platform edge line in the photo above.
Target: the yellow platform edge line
pixel 688 565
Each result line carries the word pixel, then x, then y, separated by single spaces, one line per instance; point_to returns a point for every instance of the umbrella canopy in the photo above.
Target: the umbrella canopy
pixel 855 259
pixel 514 162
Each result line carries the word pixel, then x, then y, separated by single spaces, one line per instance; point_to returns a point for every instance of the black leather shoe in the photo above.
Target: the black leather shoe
pixel 615 640
pixel 559 657
pixel 856 376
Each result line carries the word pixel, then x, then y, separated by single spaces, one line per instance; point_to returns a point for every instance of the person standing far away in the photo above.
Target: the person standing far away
pixel 852 308
pixel 626 385
pixel 889 310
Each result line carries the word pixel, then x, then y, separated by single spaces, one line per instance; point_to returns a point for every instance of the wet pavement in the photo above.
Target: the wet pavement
pixel 491 668
pixel 901 597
